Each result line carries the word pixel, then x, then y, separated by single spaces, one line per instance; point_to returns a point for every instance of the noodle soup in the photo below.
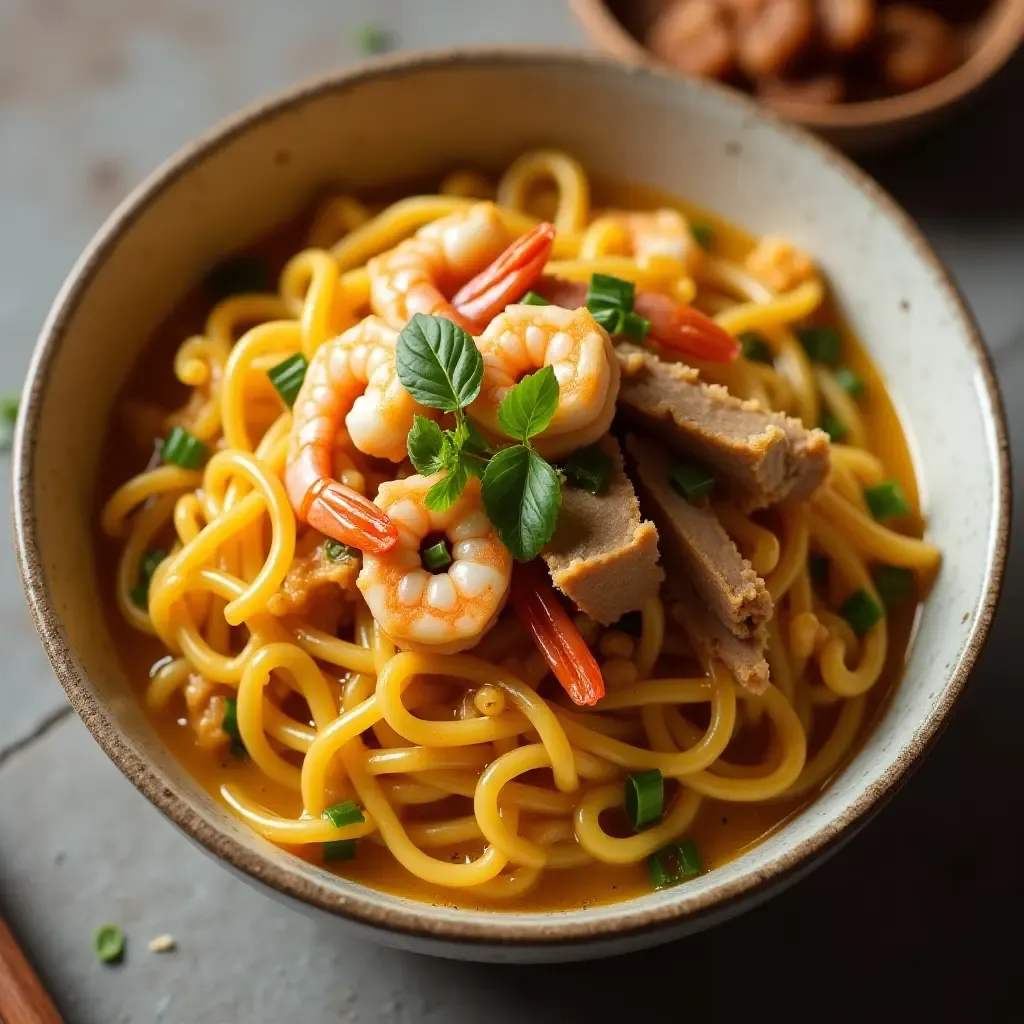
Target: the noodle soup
pixel 480 714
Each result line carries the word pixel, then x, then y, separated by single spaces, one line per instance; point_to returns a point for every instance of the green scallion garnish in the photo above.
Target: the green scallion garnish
pixel 345 813
pixel 238 275
pixel 371 39
pixel 634 326
pixel 339 849
pixel 817 569
pixel 822 344
pixel 861 611
pixel 182 449
pixel 147 566
pixel 9 409
pixel 644 798
pixel 691 480
pixel 533 299
pixel 589 468
pixel 108 944
pixel 229 724
pixel 606 291
pixel 850 382
pixel 833 426
pixel 703 235
pixel 610 318
pixel 754 348
pixel 674 864
pixel 886 500
pixel 337 552
pixel 895 585
pixel 437 556
pixel 287 377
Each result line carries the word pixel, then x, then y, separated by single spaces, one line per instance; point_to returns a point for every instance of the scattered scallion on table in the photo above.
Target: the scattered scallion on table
pixel 108 944
pixel 371 39
pixel 644 798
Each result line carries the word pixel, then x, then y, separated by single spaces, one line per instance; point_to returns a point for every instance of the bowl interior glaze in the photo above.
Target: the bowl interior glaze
pixel 412 116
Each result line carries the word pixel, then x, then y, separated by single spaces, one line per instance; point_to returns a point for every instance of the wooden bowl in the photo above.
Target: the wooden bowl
pixel 368 126
pixel 617 26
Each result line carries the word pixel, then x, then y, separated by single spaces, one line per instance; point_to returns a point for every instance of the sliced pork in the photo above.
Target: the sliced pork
pixel 762 457
pixel 693 539
pixel 603 556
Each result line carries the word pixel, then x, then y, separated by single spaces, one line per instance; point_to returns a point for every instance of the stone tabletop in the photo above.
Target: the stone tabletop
pixel 912 920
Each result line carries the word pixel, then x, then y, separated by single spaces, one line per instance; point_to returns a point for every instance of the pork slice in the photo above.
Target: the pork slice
pixel 744 658
pixel 762 457
pixel 603 556
pixel 693 537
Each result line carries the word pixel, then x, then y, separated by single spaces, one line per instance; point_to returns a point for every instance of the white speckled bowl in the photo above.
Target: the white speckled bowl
pixel 413 115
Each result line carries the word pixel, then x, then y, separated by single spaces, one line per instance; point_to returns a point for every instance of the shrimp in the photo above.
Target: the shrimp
pixel 659 233
pixel 674 325
pixel 447 611
pixel 351 378
pixel 526 338
pixel 415 276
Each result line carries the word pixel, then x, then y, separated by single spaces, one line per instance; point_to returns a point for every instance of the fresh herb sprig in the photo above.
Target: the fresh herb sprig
pixel 440 366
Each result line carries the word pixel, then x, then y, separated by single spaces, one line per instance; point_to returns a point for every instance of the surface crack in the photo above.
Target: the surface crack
pixel 51 720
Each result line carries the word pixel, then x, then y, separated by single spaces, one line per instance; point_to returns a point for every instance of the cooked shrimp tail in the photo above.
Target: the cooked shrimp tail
pixel 508 278
pixel 674 325
pixel 557 639
pixel 332 508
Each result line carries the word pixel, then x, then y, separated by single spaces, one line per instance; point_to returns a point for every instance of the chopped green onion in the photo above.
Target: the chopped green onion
pixel 237 276
pixel 861 611
pixel 371 39
pixel 229 724
pixel 147 566
pixel 887 500
pixel 345 813
pixel 337 552
pixel 437 556
pixel 822 344
pixel 635 326
pixel 182 449
pixel 9 409
pixel 610 318
pixel 287 377
pixel 631 623
pixel 833 426
pixel 817 568
pixel 691 480
pixel 850 382
pixel 108 944
pixel 645 798
pixel 589 468
pixel 895 585
pixel 674 864
pixel 608 291
pixel 533 299
pixel 754 348
pixel 339 849
pixel 703 235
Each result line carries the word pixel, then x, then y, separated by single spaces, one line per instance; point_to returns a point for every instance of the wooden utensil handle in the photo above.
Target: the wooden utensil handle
pixel 23 1000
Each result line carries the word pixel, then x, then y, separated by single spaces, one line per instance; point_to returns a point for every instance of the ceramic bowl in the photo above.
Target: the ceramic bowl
pixel 618 26
pixel 418 115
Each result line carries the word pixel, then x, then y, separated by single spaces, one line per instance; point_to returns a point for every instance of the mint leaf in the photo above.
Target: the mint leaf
pixel 445 493
pixel 529 405
pixel 425 445
pixel 438 363
pixel 473 463
pixel 522 496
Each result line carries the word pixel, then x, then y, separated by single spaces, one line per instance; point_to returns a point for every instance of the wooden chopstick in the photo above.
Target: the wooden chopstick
pixel 23 1000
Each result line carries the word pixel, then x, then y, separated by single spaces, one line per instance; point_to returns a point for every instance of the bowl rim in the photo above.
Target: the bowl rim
pixel 607 31
pixel 412 919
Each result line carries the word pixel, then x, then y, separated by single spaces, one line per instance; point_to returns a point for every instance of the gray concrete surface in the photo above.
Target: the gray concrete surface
pixel 913 918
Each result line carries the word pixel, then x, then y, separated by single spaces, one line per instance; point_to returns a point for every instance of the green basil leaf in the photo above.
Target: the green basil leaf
pixel 474 441
pixel 425 445
pixel 438 363
pixel 522 496
pixel 473 463
pixel 445 492
pixel 529 405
